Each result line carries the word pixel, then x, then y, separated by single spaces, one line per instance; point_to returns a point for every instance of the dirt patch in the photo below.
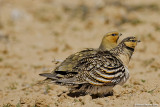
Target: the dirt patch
pixel 34 33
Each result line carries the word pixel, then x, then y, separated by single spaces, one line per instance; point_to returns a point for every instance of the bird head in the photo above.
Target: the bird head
pixel 130 42
pixel 112 36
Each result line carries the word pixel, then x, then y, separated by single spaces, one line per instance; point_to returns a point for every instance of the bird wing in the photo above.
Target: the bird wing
pixel 65 69
pixel 97 69
pixel 72 60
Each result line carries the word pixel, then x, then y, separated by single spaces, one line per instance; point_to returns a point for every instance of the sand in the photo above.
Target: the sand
pixel 33 33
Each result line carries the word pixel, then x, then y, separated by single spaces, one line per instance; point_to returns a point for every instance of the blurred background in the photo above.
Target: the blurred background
pixel 35 32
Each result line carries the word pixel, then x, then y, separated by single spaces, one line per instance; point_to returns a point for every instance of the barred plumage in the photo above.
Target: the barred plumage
pixel 98 73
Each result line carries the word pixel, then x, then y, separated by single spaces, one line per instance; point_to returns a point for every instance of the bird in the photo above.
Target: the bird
pixel 97 74
pixel 108 42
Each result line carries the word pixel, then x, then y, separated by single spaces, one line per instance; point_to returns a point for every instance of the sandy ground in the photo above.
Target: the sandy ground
pixel 35 32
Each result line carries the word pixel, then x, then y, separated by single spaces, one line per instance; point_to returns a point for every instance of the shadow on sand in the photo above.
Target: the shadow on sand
pixel 78 94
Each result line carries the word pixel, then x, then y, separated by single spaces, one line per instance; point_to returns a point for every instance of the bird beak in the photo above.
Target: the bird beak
pixel 138 41
pixel 120 34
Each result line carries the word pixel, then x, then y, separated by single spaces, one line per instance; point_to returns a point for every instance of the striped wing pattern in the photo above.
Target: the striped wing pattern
pixel 68 64
pixel 96 69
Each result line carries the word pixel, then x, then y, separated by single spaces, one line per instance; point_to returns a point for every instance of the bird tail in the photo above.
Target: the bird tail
pixel 49 76
pixel 62 81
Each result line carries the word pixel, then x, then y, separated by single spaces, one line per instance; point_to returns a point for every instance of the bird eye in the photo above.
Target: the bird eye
pixel 113 34
pixel 133 40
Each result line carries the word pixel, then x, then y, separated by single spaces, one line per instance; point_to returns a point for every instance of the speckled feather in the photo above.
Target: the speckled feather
pixel 92 73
